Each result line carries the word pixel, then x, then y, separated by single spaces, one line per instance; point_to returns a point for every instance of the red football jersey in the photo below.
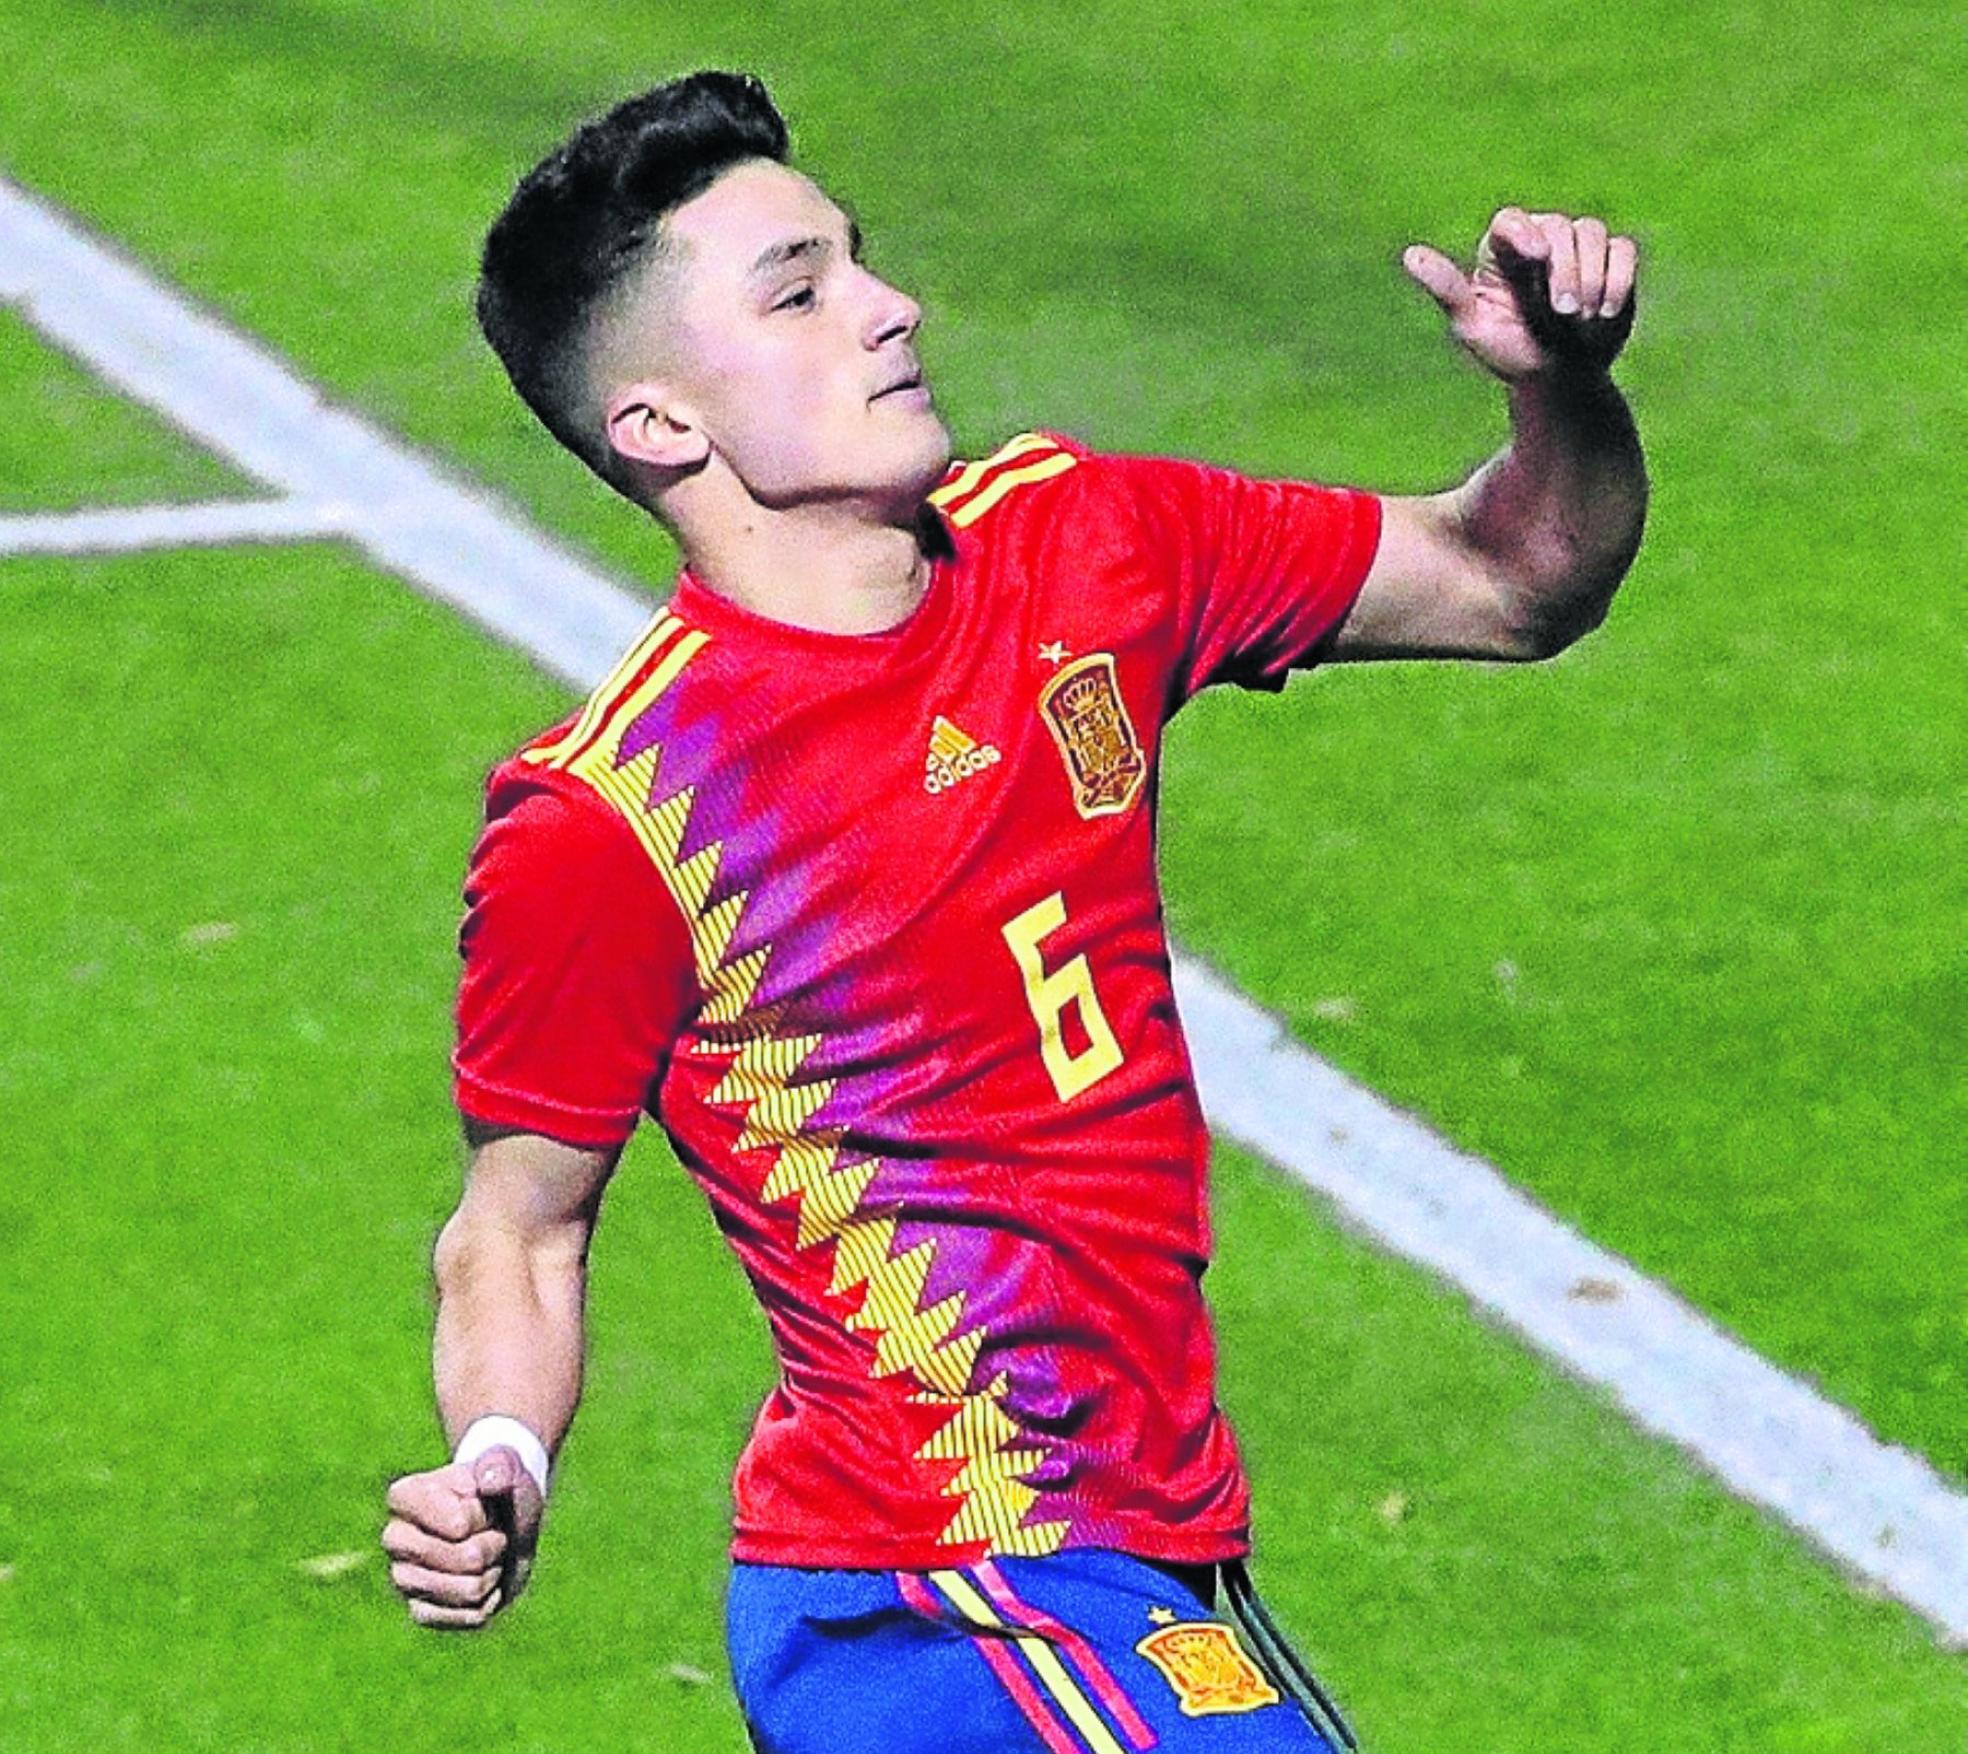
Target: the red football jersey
pixel 870 923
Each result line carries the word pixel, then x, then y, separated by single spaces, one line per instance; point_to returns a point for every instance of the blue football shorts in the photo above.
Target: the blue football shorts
pixel 1082 1652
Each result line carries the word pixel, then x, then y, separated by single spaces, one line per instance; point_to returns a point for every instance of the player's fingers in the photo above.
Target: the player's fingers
pixel 447 1588
pixel 1589 238
pixel 1437 276
pixel 1512 229
pixel 1562 258
pixel 450 1481
pixel 1622 265
pixel 444 1501
pixel 480 1552
pixel 454 1619
pixel 1514 251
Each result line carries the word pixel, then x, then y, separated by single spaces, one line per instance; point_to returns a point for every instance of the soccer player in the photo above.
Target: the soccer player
pixel 846 876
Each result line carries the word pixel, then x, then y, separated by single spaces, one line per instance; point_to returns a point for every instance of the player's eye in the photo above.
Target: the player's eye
pixel 796 301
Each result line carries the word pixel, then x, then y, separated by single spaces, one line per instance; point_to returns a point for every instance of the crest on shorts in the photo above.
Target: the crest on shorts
pixel 1083 709
pixel 1204 1663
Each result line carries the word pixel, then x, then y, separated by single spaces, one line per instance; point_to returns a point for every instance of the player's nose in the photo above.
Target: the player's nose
pixel 893 316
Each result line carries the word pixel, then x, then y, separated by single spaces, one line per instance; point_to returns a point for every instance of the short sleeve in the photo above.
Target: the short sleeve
pixel 577 972
pixel 1260 573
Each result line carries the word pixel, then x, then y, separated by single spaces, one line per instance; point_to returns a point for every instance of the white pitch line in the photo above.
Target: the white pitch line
pixel 127 529
pixel 1879 1509
pixel 1772 1439
pixel 237 398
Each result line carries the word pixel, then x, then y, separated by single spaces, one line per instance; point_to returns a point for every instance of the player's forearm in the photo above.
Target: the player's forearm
pixel 510 1332
pixel 1557 517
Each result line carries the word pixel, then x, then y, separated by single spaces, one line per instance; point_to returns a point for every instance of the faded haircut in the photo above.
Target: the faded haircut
pixel 586 217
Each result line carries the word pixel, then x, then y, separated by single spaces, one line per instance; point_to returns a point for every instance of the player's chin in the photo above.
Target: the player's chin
pixel 914 453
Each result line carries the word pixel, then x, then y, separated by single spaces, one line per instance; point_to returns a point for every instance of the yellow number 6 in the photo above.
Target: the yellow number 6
pixel 1050 992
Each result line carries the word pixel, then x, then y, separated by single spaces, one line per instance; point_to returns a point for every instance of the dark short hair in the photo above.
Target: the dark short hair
pixel 582 218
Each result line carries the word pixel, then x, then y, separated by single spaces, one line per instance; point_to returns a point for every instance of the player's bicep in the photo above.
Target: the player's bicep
pixel 538 1191
pixel 1428 593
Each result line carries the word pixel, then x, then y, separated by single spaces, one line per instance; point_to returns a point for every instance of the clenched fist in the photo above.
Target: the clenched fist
pixel 1546 291
pixel 461 1538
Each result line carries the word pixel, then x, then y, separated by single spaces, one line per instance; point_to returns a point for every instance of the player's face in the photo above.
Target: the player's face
pixel 799 361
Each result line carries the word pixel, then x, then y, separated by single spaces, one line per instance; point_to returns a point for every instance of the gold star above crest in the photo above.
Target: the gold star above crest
pixel 1053 651
pixel 1162 1616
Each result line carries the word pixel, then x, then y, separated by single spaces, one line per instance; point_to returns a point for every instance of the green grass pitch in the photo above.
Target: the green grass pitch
pixel 1669 929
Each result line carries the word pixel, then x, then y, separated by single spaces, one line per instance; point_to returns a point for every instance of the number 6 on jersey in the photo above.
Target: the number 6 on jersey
pixel 1049 992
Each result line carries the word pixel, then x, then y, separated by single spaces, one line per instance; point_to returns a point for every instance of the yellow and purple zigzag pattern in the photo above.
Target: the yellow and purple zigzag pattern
pixel 766 1059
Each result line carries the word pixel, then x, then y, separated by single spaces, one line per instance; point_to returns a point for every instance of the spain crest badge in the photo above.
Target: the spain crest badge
pixel 1207 1667
pixel 1083 709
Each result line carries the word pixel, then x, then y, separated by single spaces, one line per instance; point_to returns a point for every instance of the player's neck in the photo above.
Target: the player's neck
pixel 816 567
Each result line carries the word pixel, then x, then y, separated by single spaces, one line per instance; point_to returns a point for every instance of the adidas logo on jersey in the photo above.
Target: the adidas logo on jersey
pixel 953 757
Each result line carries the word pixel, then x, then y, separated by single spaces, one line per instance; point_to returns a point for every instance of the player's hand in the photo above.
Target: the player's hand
pixel 1548 292
pixel 461 1538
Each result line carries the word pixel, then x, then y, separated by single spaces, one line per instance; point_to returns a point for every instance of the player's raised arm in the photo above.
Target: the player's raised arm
pixel 511 1272
pixel 1524 557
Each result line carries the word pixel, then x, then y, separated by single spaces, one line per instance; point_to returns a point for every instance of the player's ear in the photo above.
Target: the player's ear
pixel 648 424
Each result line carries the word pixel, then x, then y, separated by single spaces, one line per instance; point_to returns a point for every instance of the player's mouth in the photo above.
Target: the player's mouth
pixel 909 389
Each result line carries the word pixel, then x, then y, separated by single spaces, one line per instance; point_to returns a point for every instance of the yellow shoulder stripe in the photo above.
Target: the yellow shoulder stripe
pixel 1000 485
pixel 661 626
pixel 973 473
pixel 608 712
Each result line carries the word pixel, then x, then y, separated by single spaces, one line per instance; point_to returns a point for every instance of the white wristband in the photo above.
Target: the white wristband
pixel 498 1430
